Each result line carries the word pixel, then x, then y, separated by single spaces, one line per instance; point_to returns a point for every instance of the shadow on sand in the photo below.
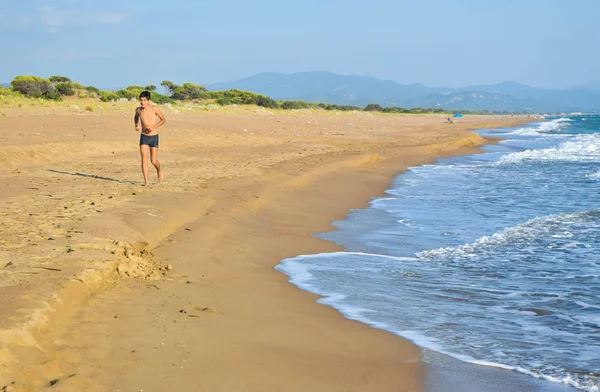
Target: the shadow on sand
pixel 92 176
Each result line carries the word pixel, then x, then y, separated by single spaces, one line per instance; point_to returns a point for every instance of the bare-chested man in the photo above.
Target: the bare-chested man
pixel 148 115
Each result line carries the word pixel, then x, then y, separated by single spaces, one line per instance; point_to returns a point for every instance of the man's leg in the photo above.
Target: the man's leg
pixel 144 151
pixel 155 162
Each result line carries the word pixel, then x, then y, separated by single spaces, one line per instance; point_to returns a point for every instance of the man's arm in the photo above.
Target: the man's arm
pixel 136 120
pixel 160 116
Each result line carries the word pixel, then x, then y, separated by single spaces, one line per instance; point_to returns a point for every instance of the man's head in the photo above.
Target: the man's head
pixel 145 98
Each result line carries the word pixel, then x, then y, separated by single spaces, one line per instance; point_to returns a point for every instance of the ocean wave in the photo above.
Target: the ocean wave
pixel 300 271
pixel 583 148
pixel 567 380
pixel 594 176
pixel 557 226
pixel 343 254
pixel 543 129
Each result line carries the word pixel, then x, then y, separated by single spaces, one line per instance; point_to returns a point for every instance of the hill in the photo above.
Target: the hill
pixel 361 90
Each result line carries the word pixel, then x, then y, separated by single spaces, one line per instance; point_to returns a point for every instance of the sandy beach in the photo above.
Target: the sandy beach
pixel 111 286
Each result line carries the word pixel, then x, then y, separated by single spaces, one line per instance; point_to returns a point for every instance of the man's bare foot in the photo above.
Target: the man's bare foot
pixel 146 184
pixel 160 177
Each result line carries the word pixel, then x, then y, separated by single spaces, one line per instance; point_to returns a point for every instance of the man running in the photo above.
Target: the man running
pixel 145 120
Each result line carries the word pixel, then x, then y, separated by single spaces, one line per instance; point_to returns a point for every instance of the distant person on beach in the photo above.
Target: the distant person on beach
pixel 147 119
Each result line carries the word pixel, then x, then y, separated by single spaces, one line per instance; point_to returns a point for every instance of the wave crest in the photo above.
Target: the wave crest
pixel 557 226
pixel 583 148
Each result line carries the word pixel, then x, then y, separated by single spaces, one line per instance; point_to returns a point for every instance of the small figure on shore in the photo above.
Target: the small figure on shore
pixel 145 120
pixel 449 120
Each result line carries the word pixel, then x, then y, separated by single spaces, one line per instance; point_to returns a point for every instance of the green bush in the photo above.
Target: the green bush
pixel 160 98
pixel 188 91
pixel 93 89
pixel 224 101
pixel 64 88
pixel 133 92
pixel 394 109
pixel 130 92
pixel 373 107
pixel 295 105
pixel 8 92
pixel 328 106
pixel 266 102
pixel 54 96
pixel 107 96
pixel 239 97
pixel 59 79
pixel 34 87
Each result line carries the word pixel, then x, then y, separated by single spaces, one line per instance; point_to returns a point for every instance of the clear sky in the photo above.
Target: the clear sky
pixel 109 43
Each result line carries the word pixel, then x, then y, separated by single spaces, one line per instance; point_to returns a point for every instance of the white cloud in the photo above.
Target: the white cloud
pixel 62 14
pixel 110 18
pixel 68 54
pixel 55 18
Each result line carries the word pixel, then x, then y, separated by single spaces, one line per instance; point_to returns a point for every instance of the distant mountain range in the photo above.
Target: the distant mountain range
pixel 361 90
pixel 7 85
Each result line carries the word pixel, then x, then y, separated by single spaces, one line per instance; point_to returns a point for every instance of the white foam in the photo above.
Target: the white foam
pixel 533 228
pixel 583 148
pixel 424 341
pixel 429 343
pixel 301 276
pixel 585 305
pixel 565 380
pixel 594 176
pixel 543 129
pixel 319 255
pixel 299 270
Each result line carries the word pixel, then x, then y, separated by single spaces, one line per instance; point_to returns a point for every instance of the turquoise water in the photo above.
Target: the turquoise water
pixel 492 258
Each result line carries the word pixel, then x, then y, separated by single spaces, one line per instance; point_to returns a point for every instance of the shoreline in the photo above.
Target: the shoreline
pixel 445 372
pixel 302 182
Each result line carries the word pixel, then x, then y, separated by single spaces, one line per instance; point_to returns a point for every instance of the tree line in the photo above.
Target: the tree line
pixel 57 87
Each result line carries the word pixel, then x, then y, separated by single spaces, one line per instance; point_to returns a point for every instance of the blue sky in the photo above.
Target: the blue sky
pixel 545 43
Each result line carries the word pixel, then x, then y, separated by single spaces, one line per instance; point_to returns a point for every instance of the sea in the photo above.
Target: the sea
pixel 491 259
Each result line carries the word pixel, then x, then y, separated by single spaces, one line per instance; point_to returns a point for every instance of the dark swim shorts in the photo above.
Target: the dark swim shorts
pixel 151 140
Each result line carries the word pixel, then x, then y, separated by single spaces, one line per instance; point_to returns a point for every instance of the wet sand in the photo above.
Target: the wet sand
pixel 108 285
